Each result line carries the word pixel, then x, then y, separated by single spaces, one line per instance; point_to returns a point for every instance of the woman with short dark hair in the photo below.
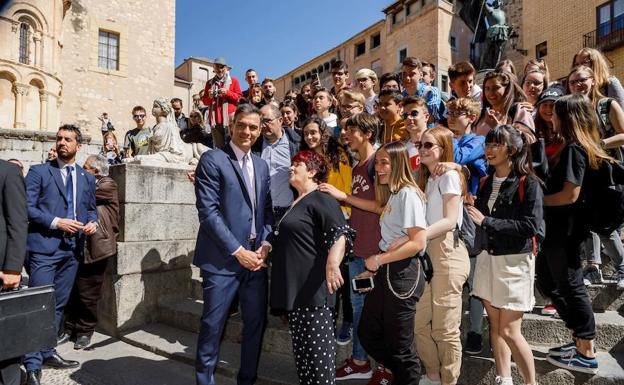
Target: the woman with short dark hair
pixel 309 243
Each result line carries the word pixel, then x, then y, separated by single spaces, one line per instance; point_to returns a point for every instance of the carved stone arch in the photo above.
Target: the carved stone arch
pixel 25 9
pixel 10 73
pixel 37 82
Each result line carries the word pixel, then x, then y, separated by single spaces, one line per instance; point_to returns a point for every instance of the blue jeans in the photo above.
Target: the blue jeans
pixel 356 266
pixel 612 247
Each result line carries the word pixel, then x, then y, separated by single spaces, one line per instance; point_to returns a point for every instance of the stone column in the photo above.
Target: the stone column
pixel 38 49
pixel 43 117
pixel 20 91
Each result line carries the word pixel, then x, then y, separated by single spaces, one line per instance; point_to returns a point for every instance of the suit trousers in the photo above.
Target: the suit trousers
pixel 219 291
pixel 58 269
pixel 10 372
pixel 81 315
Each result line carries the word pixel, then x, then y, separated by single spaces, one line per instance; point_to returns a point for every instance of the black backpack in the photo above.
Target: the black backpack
pixel 604 200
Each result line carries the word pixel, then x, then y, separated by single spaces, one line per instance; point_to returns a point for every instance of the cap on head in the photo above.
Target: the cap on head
pixel 551 93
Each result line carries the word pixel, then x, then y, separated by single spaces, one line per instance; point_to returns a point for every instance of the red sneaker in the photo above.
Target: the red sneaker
pixel 549 309
pixel 350 371
pixel 381 377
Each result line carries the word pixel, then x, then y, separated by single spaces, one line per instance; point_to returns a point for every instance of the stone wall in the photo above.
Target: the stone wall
pixel 158 229
pixel 146 32
pixel 31 147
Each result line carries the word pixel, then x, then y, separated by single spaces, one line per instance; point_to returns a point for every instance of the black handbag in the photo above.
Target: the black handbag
pixel 26 321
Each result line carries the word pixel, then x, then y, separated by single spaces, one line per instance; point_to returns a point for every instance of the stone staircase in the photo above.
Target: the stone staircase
pixel 175 336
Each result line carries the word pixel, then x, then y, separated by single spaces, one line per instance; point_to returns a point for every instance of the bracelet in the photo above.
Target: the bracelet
pixel 376 257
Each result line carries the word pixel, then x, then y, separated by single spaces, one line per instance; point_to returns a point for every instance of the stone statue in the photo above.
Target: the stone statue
pixel 496 36
pixel 165 144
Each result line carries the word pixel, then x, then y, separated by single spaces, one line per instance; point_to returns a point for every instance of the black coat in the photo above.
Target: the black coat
pixel 13 218
pixel 509 228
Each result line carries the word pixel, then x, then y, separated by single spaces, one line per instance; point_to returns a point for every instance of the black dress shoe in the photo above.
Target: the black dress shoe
pixel 82 342
pixel 60 340
pixel 33 377
pixel 58 362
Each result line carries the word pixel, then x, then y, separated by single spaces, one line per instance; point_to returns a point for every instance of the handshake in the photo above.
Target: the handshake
pixel 71 226
pixel 253 260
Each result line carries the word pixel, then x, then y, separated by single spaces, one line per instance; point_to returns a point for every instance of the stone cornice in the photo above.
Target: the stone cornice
pixel 39 136
pixel 37 69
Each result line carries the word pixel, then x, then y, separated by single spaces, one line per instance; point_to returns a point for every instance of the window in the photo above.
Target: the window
pixel 24 43
pixel 541 50
pixel 108 50
pixel 394 18
pixel 445 80
pixel 360 49
pixel 408 10
pixel 453 42
pixel 319 69
pixel 296 81
pixel 326 66
pixel 422 3
pixel 610 17
pixel 375 41
pixel 402 55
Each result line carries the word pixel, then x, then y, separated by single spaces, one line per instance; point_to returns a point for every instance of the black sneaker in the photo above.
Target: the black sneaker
pixel 474 343
pixel 592 275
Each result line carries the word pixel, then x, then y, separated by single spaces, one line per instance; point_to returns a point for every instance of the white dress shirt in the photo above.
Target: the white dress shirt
pixel 63 168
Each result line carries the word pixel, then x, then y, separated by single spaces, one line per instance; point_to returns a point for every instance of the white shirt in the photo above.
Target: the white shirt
pixel 240 154
pixel 447 183
pixel 63 168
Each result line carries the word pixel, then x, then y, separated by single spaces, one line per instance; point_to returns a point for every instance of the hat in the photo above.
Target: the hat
pixel 221 61
pixel 551 94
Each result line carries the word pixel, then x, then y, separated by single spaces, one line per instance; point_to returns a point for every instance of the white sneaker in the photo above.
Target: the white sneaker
pixel 503 381
pixel 424 380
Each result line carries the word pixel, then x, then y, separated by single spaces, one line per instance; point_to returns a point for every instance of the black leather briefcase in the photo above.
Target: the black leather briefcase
pixel 26 321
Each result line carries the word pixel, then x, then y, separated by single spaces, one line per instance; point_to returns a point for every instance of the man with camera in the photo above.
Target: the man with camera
pixel 221 96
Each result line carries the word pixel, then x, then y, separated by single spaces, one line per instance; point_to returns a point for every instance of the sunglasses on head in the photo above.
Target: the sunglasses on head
pixel 425 145
pixel 412 114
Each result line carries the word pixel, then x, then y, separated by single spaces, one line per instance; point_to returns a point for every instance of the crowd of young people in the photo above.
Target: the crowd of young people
pixel 516 156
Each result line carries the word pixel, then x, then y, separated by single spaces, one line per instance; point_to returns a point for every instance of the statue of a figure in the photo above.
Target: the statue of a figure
pixel 165 144
pixel 496 36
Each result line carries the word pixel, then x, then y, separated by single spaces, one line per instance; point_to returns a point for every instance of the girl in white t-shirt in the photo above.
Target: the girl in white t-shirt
pixel 386 328
pixel 438 314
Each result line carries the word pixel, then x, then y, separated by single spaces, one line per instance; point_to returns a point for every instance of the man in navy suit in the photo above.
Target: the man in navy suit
pixel 235 218
pixel 61 212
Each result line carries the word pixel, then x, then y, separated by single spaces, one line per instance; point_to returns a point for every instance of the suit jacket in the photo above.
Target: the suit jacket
pixel 225 210
pixel 13 217
pixel 45 193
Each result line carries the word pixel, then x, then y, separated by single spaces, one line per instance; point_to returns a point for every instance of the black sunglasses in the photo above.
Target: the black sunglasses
pixel 425 145
pixel 411 114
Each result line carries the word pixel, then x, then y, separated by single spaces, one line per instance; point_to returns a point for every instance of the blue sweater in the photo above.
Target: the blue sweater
pixel 469 151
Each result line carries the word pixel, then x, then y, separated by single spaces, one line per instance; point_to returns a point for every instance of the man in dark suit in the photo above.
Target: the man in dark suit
pixel 235 217
pixel 61 211
pixel 13 231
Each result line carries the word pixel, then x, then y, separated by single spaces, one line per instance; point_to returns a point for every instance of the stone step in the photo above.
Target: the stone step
pixel 279 369
pixel 605 297
pixel 537 329
pixel 186 315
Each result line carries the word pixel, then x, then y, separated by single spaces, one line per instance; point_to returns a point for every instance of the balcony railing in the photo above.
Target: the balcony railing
pixel 604 41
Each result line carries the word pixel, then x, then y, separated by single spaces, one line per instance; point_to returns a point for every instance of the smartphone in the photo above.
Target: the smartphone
pixel 359 284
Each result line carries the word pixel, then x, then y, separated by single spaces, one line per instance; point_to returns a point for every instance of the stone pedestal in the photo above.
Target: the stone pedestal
pixel 158 227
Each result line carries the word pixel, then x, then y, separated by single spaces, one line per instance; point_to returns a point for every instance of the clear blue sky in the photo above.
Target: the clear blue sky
pixel 272 36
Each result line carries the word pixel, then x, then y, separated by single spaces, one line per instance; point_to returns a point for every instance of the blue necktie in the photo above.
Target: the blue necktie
pixel 69 192
pixel 251 193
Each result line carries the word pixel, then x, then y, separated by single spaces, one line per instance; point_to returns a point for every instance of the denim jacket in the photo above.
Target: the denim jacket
pixel 511 225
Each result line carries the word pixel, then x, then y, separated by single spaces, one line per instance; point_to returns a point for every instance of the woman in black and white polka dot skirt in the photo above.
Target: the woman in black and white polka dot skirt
pixel 309 244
